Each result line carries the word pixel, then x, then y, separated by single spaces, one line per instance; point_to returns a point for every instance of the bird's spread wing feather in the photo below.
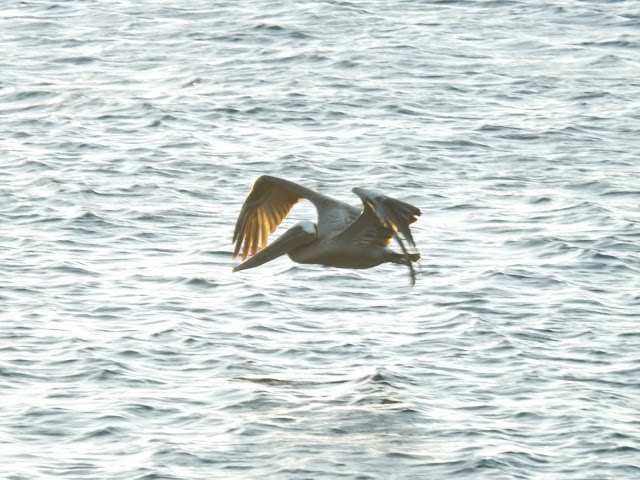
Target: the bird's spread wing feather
pixel 269 201
pixel 382 219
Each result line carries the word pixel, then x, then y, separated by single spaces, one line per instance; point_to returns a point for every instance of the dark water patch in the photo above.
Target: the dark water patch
pixel 630 334
pixel 280 30
pixel 540 200
pixel 110 309
pixel 266 381
pixel 159 476
pixel 32 94
pixel 73 270
pixel 622 193
pixel 200 283
pixel 151 411
pixel 80 60
pixel 105 434
pixel 624 43
pixel 131 354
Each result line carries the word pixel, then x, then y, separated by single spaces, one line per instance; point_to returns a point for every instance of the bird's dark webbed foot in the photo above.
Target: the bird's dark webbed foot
pixel 403 259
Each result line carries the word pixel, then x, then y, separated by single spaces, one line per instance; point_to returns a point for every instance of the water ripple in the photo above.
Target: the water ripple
pixel 131 134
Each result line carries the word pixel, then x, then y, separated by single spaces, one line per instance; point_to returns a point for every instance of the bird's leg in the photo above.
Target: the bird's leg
pixel 402 258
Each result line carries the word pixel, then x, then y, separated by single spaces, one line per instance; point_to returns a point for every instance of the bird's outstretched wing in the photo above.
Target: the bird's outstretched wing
pixel 269 201
pixel 382 219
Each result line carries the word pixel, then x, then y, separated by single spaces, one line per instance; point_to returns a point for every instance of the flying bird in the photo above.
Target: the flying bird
pixel 344 236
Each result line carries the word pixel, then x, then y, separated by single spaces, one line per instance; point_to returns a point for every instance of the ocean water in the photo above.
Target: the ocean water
pixel 130 134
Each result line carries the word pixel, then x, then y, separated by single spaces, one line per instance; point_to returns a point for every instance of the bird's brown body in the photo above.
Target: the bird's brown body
pixel 344 236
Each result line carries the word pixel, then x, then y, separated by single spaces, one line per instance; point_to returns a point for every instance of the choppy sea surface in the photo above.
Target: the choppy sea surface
pixel 130 134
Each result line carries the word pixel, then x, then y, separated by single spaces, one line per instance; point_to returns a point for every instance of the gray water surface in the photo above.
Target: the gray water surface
pixel 130 134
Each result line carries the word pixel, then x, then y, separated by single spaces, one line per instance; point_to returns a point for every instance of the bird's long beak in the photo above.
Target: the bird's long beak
pixel 293 238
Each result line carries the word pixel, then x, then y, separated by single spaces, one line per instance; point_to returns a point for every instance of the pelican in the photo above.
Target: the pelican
pixel 344 236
